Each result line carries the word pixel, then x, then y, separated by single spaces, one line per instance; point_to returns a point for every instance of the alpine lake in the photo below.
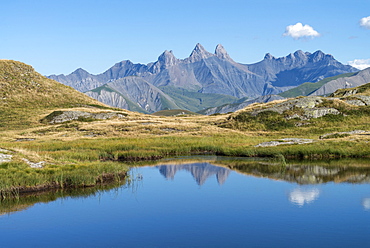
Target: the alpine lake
pixel 202 201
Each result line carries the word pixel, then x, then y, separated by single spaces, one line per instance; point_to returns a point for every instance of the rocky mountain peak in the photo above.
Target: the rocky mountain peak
pixel 300 54
pixel 221 53
pixel 199 53
pixel 167 58
pixel 298 58
pixel 80 71
pixel 268 56
pixel 317 56
pixel 123 63
pixel 199 48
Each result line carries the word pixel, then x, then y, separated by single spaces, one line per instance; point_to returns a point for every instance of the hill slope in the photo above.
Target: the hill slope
pixel 360 78
pixel 133 93
pixel 306 89
pixel 346 110
pixel 26 93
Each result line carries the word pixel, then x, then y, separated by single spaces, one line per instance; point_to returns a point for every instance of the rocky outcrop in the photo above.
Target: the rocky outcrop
pixel 65 116
pixel 365 100
pixel 352 99
pixel 304 108
pixel 5 158
pixel 286 141
pixel 37 165
pixel 240 105
pixel 342 134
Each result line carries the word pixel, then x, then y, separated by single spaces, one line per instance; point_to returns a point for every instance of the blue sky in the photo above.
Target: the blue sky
pixel 60 36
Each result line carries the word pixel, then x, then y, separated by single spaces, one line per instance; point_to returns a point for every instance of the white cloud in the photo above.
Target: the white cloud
pixel 301 197
pixel 299 30
pixel 365 22
pixel 360 63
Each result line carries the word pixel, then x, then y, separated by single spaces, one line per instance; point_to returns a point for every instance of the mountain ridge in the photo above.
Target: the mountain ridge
pixel 216 73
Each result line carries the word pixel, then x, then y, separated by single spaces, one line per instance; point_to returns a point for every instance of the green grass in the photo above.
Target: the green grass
pixel 267 120
pixel 26 200
pixel 16 177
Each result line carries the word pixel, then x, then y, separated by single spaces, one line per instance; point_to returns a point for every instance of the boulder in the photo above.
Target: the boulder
pixel 65 116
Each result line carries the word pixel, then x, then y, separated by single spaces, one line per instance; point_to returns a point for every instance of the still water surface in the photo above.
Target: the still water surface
pixel 201 205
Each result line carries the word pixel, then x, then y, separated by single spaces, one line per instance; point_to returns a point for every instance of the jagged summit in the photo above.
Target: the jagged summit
pixel 165 60
pixel 317 56
pixel 199 53
pixel 300 54
pixel 268 56
pixel 221 52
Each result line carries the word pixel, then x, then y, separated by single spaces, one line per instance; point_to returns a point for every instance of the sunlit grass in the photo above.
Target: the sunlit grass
pixel 18 177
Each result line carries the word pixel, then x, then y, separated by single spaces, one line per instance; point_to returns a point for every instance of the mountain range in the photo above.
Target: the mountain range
pixel 202 80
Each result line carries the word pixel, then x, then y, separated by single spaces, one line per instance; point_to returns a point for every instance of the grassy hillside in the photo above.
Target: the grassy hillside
pixel 307 88
pixel 345 112
pixel 195 101
pixel 24 94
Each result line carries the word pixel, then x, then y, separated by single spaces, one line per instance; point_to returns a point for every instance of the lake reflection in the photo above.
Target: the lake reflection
pixel 366 203
pixel 301 196
pixel 219 203
pixel 200 171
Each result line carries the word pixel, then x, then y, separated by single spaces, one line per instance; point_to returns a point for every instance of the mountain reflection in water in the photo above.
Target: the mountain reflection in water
pixel 264 203
pixel 200 171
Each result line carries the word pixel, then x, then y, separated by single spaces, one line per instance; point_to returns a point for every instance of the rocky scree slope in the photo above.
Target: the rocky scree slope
pixel 133 93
